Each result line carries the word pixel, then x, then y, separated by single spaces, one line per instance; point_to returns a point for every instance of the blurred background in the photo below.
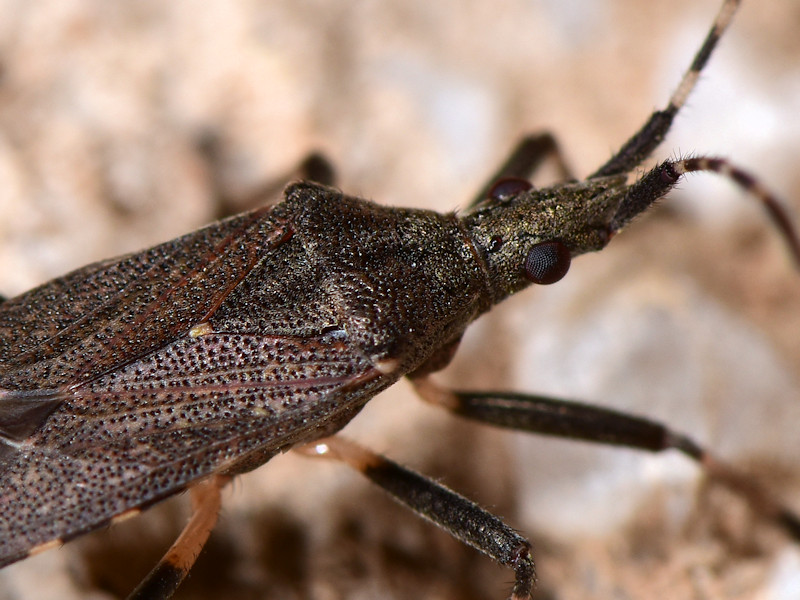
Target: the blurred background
pixel 107 114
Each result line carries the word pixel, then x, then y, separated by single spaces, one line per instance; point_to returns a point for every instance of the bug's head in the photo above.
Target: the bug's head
pixel 530 236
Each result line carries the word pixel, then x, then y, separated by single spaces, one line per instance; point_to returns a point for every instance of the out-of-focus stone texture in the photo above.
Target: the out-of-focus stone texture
pixel 691 316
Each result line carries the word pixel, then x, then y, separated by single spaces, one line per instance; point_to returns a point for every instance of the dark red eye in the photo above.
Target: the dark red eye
pixel 547 262
pixel 495 243
pixel 508 187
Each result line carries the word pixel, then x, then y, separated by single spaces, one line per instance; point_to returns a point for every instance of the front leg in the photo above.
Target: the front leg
pixel 581 421
pixel 523 161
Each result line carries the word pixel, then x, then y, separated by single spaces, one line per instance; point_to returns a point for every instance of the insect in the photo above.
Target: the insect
pixel 141 335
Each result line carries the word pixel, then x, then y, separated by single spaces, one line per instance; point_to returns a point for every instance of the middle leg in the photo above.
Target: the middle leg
pixel 462 518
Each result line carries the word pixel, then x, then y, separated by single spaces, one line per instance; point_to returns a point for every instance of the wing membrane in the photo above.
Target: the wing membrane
pixel 144 432
pixel 92 320
pixel 21 413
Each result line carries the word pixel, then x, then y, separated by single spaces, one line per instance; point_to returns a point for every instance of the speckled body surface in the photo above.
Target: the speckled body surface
pixel 688 317
pixel 299 302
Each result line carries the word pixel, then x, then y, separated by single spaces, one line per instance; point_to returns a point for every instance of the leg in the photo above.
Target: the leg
pixel 644 141
pixel 562 418
pixel 172 569
pixel 463 519
pixel 315 167
pixel 523 161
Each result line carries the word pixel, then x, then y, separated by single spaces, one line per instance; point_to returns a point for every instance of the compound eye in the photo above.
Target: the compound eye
pixel 547 262
pixel 508 187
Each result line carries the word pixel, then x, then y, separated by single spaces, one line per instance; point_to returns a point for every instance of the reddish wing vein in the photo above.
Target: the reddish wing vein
pixel 132 437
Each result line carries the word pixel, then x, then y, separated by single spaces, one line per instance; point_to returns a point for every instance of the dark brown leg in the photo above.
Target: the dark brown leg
pixel 568 419
pixel 523 161
pixel 462 518
pixel 172 569
pixel 314 167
